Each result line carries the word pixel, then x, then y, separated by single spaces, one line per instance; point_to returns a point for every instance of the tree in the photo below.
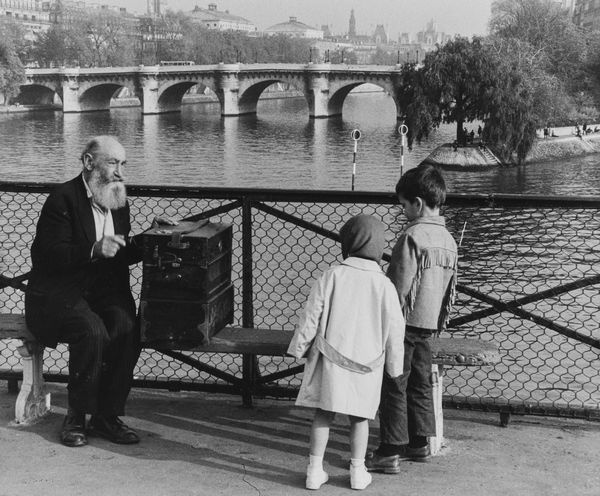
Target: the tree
pixel 455 78
pixel 418 109
pixel 54 48
pixel 523 99
pixel 103 40
pixel 12 72
pixel 547 28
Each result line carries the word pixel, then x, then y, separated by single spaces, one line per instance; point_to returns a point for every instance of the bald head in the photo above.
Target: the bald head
pixel 101 145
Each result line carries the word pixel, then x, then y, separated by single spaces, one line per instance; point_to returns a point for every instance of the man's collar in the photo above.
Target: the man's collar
pixel 88 191
pixel 90 196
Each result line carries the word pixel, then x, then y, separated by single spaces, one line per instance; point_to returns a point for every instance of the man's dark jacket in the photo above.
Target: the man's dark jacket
pixel 62 270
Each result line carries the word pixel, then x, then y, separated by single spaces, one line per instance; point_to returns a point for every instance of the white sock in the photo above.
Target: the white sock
pixel 357 462
pixel 315 462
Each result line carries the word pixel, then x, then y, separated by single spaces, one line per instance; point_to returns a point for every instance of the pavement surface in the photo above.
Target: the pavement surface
pixel 208 444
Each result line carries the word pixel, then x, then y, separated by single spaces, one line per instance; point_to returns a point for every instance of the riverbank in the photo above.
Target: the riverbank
pixel 559 147
pixel 462 157
pixel 563 147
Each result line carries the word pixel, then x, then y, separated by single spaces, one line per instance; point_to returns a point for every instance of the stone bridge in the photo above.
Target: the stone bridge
pixel 237 86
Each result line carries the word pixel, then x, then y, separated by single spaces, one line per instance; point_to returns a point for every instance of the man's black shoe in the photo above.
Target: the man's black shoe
pixel 420 454
pixel 73 430
pixel 378 463
pixel 113 429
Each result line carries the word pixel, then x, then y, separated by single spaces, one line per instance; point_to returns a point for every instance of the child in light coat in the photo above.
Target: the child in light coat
pixel 351 328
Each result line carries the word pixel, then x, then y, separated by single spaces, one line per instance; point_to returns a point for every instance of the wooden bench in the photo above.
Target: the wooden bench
pixel 33 402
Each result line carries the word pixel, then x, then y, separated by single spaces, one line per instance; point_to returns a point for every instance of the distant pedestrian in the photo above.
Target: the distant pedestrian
pixel 479 132
pixel 351 328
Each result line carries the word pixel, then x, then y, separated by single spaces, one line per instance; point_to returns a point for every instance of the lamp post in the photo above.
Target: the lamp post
pixel 343 55
pixel 310 55
pixel 398 58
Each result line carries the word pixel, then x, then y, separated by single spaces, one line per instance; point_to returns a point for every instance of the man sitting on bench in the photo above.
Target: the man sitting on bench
pixel 78 292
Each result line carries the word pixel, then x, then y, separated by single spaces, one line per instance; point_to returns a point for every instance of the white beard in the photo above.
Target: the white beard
pixel 111 195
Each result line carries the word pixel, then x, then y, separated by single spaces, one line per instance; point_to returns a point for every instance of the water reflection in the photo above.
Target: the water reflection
pixel 280 147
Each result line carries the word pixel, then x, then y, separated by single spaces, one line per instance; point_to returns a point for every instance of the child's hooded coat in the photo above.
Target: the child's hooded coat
pixel 352 325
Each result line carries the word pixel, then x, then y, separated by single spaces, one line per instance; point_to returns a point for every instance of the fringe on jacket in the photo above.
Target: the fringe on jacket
pixel 445 259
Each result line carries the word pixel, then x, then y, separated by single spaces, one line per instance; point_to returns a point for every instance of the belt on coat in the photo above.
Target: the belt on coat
pixel 336 357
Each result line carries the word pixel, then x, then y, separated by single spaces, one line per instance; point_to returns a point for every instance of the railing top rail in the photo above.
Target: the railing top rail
pixel 238 66
pixel 319 196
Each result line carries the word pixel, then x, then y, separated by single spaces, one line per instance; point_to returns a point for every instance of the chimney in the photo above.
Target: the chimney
pixel 293 19
pixel 212 6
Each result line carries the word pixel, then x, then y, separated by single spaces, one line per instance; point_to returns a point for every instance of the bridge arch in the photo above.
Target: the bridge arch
pixel 98 96
pixel 38 94
pixel 250 94
pixel 171 96
pixel 338 95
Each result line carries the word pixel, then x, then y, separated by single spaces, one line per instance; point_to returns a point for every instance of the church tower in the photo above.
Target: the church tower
pixel 352 26
pixel 153 7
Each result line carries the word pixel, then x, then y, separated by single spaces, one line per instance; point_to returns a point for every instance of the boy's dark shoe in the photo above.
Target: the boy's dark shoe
pixel 386 464
pixel 113 429
pixel 420 454
pixel 73 430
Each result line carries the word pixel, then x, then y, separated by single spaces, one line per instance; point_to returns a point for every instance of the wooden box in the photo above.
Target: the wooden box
pixel 190 261
pixel 169 323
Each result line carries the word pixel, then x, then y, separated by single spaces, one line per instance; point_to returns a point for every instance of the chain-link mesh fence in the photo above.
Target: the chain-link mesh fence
pixel 529 281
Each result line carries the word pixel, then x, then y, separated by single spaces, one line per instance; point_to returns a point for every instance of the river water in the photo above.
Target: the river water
pixel 280 147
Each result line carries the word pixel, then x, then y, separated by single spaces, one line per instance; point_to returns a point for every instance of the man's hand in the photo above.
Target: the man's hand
pixel 108 246
pixel 163 221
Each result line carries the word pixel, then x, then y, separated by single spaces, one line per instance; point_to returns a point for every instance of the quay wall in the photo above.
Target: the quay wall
pixel 563 145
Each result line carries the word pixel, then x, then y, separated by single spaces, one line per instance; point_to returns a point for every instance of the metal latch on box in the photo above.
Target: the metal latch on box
pixel 176 242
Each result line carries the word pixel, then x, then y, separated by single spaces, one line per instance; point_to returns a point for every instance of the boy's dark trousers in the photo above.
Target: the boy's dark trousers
pixel 406 409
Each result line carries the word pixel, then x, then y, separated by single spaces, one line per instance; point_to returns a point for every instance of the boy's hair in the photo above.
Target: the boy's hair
pixel 425 182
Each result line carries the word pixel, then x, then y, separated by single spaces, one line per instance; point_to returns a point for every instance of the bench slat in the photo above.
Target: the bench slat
pixel 12 326
pixel 445 351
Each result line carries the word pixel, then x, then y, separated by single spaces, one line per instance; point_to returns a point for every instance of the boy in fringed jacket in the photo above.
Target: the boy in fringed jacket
pixel 423 268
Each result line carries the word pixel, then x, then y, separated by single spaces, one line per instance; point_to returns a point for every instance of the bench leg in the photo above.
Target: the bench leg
pixel 437 375
pixel 33 402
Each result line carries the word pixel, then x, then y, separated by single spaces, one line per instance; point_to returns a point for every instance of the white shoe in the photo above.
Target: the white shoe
pixel 359 477
pixel 315 478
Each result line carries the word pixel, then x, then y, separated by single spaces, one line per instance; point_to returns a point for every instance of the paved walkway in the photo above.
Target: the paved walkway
pixel 207 444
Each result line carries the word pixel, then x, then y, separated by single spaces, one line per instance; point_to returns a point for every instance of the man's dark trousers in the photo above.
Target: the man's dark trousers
pixel 406 409
pixel 103 351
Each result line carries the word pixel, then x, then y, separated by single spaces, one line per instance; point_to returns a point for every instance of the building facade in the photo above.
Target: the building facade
pixel 33 15
pixel 295 29
pixel 212 18
pixel 586 14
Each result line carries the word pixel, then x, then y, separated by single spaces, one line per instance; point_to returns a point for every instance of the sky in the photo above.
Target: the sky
pixel 465 17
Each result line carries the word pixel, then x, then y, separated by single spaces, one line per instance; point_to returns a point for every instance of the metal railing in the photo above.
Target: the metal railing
pixel 529 280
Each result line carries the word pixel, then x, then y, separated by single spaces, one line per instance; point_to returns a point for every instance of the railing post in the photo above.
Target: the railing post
pixel 249 362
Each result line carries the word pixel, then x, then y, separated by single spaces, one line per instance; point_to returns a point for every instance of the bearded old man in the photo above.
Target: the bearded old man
pixel 78 292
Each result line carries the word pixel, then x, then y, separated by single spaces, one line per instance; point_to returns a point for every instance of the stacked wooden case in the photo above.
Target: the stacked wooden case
pixel 187 295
